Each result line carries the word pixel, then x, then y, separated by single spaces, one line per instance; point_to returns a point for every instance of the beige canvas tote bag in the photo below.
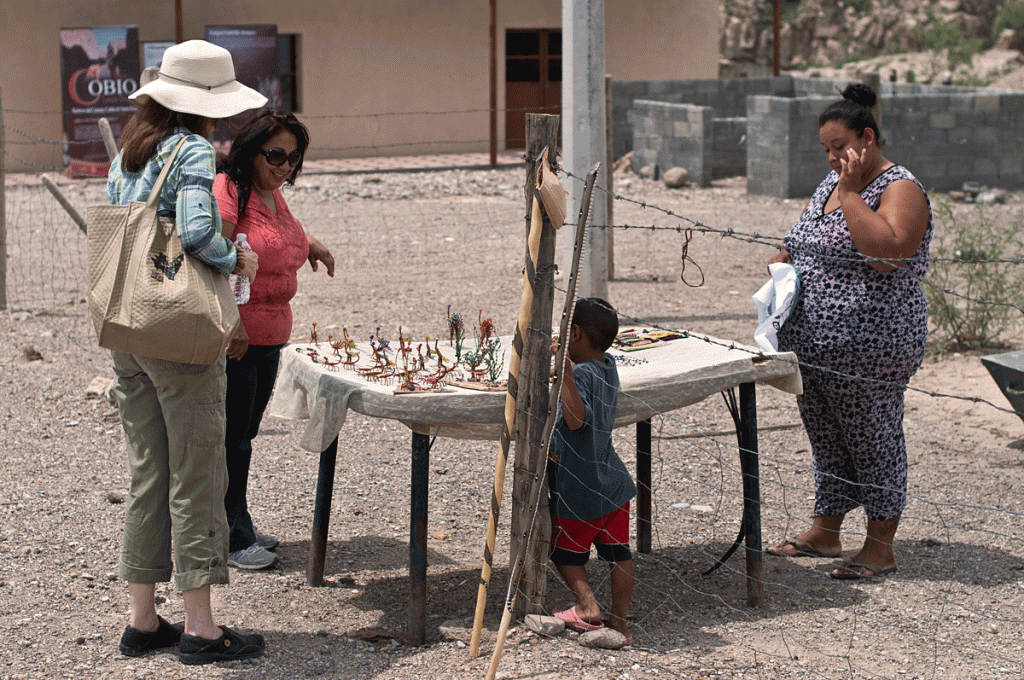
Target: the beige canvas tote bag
pixel 146 295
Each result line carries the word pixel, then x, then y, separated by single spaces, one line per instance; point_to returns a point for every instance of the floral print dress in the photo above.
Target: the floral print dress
pixel 859 335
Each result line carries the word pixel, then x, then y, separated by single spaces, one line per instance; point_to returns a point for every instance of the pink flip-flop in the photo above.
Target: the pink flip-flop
pixel 573 620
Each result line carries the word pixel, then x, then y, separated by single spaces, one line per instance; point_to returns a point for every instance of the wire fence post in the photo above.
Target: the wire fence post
pixel 532 401
pixel 3 210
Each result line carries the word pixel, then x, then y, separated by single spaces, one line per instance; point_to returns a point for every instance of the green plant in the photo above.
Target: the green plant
pixel 911 76
pixel 1012 16
pixel 973 301
pixel 860 6
pixel 945 35
pixel 848 60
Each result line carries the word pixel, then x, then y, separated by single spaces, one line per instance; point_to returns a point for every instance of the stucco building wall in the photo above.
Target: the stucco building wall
pixel 373 75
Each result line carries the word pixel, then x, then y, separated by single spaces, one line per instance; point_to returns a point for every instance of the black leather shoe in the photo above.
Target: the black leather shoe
pixel 134 642
pixel 230 646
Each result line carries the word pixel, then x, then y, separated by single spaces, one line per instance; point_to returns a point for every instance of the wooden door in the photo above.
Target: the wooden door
pixel 533 79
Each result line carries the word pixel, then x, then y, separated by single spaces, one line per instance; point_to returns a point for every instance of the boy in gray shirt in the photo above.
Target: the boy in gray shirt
pixel 591 487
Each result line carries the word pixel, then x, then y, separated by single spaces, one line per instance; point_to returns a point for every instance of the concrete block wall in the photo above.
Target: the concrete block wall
pixel 945 139
pixel 728 147
pixel 728 99
pixel 949 139
pixel 946 135
pixel 668 135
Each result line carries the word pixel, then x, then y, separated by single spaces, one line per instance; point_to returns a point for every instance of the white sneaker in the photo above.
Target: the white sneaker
pixel 266 541
pixel 252 558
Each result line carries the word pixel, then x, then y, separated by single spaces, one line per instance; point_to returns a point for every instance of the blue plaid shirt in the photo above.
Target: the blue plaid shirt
pixel 187 196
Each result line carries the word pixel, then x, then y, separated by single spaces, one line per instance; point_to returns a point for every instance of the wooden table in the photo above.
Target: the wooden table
pixel 674 375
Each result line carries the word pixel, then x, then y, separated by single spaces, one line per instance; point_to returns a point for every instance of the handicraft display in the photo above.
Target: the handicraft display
pixel 418 367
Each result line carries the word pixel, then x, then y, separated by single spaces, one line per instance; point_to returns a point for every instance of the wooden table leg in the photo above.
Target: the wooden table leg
pixel 746 432
pixel 419 489
pixel 643 485
pixel 322 515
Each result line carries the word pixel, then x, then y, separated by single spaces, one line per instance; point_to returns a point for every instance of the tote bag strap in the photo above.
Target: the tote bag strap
pixel 154 195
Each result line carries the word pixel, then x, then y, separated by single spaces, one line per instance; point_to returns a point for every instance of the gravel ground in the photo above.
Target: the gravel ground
pixel 408 246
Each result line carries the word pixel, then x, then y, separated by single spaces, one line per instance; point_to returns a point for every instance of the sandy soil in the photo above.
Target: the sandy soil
pixel 408 246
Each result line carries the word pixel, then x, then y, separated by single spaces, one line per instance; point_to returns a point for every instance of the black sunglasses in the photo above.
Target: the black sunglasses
pixel 277 156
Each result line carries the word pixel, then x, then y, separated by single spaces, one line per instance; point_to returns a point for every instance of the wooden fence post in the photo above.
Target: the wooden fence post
pixel 534 387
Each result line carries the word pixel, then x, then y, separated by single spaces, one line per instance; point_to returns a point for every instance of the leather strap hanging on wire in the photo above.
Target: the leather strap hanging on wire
pixel 687 235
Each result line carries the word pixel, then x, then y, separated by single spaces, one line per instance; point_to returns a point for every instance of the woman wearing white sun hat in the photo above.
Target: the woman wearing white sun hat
pixel 173 414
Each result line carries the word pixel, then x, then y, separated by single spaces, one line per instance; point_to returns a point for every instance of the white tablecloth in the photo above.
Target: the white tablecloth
pixel 674 375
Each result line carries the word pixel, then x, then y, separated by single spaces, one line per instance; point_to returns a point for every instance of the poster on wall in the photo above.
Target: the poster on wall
pixel 153 52
pixel 254 51
pixel 99 69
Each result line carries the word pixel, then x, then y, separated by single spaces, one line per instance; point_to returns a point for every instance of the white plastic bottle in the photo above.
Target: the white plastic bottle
pixel 240 284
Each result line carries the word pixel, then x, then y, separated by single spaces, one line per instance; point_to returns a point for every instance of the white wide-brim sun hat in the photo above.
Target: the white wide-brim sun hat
pixel 198 77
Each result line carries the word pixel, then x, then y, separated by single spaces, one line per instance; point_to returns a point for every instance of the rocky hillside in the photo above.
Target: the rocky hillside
pixel 827 34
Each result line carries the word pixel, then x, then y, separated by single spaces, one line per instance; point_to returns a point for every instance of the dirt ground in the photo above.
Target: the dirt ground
pixel 408 246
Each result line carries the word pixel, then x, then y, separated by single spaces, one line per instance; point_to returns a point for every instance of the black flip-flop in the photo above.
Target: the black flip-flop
pixel 846 574
pixel 803 549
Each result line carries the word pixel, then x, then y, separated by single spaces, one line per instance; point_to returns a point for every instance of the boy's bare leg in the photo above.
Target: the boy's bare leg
pixel 623 576
pixel 576 578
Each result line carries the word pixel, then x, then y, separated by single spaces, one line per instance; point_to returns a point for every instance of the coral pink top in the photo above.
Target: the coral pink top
pixel 282 246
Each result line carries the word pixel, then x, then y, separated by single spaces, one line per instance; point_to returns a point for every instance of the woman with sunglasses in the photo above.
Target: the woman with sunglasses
pixel 266 153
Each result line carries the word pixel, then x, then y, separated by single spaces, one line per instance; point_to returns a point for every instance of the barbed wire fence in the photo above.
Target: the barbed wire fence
pixel 952 611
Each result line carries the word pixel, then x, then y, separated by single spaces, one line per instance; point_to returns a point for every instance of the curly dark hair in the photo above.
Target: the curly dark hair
pixel 854 110
pixel 249 141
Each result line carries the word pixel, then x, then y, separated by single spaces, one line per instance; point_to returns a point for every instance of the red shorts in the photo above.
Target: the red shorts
pixel 577 535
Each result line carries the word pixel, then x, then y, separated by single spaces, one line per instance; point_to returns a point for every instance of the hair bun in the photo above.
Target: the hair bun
pixel 859 93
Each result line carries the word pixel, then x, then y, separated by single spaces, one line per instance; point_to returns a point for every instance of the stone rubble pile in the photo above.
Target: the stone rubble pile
pixel 816 33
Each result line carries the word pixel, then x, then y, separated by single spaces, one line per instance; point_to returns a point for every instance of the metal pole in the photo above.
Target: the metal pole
pixel 494 83
pixel 420 487
pixel 583 134
pixel 643 483
pixel 776 20
pixel 3 209
pixel 178 28
pixel 321 515
pixel 747 435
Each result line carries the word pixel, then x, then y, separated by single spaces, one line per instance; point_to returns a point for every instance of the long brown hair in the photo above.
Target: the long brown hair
pixel 150 124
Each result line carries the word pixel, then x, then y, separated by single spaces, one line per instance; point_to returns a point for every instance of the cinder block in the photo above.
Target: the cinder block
pixel 942 121
pixel 934 103
pixel 985 166
pixel 986 102
pixel 759 105
pixel 986 135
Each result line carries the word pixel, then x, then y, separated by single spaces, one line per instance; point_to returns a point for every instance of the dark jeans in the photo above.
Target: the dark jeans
pixel 250 384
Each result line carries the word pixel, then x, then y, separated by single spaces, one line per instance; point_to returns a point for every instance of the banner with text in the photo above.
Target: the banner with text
pixel 99 69
pixel 254 51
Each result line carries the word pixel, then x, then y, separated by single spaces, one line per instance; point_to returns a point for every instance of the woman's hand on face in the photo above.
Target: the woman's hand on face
pixel 852 171
pixel 239 343
pixel 782 257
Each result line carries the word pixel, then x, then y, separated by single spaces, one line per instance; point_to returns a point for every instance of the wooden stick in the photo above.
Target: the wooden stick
pixel 108 138
pixel 540 450
pixel 64 202
pixel 547 134
pixel 526 303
